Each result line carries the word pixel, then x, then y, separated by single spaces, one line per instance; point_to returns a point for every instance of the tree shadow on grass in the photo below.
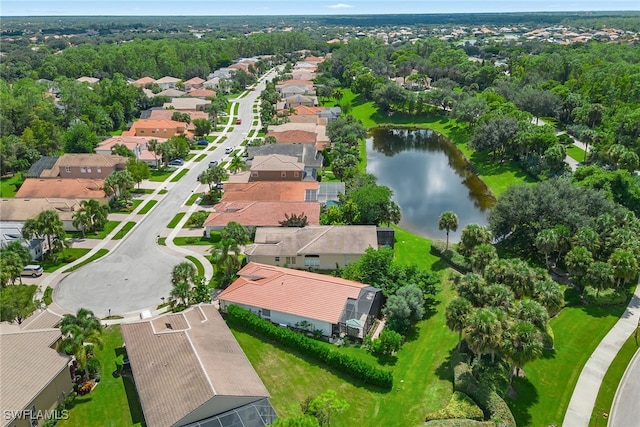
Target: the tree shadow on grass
pixel 444 371
pixel 527 396
pixel 133 400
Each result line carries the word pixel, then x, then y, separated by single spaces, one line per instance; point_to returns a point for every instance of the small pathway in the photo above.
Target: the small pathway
pixel 586 390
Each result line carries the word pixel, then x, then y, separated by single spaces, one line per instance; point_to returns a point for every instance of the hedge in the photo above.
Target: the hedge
pixel 493 406
pixel 610 296
pixel 459 423
pixel 548 338
pixel 309 347
pixel 460 406
pixel 457 261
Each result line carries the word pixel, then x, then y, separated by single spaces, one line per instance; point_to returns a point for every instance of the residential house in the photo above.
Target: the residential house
pixel 212 83
pixel 276 167
pixel 156 128
pixel 81 165
pixel 325 247
pixel 292 90
pixel 307 85
pixel 88 80
pixel 254 214
pixel 171 93
pixel 269 191
pixel 59 188
pixel 308 154
pixel 44 163
pixel 319 130
pixel 201 93
pixel 34 376
pixel 15 211
pixel 187 104
pixel 138 144
pixel 167 82
pixel 304 300
pixel 294 136
pixel 303 75
pixel 190 371
pixel 193 83
pixel 295 100
pixel 144 81
pixel 11 231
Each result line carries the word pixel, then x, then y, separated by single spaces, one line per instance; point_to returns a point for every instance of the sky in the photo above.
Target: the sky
pixel 297 7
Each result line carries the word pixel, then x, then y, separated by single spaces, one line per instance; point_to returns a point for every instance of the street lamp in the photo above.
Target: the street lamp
pixel 162 298
pixel 109 312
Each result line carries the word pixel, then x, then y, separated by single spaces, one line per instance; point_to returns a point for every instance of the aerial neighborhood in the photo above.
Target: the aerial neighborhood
pixel 315 222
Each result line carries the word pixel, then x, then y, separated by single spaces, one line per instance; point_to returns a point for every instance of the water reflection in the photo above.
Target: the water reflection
pixel 428 175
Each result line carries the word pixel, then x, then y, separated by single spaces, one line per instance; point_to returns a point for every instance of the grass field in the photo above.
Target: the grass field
pixel 108 228
pixel 180 174
pixel 9 185
pixel 123 232
pixel 147 207
pixel 176 219
pixel 191 241
pixel 412 249
pixel 611 380
pixel 99 254
pixel 114 402
pixel 160 175
pixel 197 263
pixel 544 394
pixel 576 153
pixel 60 260
pixel 192 199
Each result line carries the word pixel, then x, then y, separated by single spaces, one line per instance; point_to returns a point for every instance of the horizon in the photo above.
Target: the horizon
pixel 160 8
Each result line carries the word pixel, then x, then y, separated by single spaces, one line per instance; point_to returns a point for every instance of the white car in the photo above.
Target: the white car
pixel 228 150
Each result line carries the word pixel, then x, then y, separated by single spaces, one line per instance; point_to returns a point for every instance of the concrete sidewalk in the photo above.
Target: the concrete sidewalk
pixel 586 390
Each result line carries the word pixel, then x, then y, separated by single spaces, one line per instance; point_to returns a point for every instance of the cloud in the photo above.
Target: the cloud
pixel 340 6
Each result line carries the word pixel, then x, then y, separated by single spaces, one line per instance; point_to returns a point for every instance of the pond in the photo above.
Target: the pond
pixel 428 176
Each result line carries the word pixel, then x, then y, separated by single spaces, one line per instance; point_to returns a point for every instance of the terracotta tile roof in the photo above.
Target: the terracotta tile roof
pixel 301 293
pixel 305 109
pixel 29 364
pixel 310 240
pixel 155 124
pixel 283 191
pixel 276 162
pixel 294 137
pixel 186 103
pixel 131 142
pixel 48 188
pixel 313 59
pixel 261 214
pixel 194 81
pixel 183 361
pixel 171 93
pixel 143 81
pixel 201 93
pixel 295 82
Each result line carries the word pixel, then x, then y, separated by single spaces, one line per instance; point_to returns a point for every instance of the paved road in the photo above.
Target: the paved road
pixel 137 272
pixel 626 410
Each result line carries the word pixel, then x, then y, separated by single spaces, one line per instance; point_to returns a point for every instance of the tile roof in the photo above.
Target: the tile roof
pixel 295 82
pixel 276 162
pixel 167 79
pixel 45 319
pixel 182 361
pixel 186 103
pixel 305 109
pixel 283 191
pixel 130 142
pixel 314 240
pixel 306 153
pixel 292 291
pixel 261 214
pixel 29 364
pixel 157 124
pixel 52 188
pixel 43 164
pixel 90 80
pixel 83 159
pixel 195 81
pixel 171 93
pixel 16 209
pixel 143 81
pixel 201 93
pixel 293 136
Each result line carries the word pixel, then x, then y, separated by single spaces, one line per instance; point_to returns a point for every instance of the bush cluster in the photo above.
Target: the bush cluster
pixel 610 296
pixel 493 406
pixel 457 260
pixel 460 406
pixel 309 347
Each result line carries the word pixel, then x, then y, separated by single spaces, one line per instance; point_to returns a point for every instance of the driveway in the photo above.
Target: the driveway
pixel 136 273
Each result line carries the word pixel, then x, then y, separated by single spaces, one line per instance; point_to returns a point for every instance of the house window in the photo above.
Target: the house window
pixel 291 260
pixel 67 169
pixel 312 261
pixel 266 312
pixel 283 174
pixel 277 259
pixel 99 170
pixel 89 170
pixel 142 131
pixel 254 174
pixel 83 170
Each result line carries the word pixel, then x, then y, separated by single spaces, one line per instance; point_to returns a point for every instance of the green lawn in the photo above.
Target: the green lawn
pixel 422 377
pixel 176 219
pixel 60 260
pixel 197 263
pixel 131 205
pixel 180 174
pixel 47 296
pixel 142 191
pixel 201 157
pixel 611 380
pixel 100 253
pixel 108 228
pixel 544 394
pixel 9 185
pixel 123 232
pixel 192 199
pixel 160 175
pixel 147 207
pixel 114 401
pixel 576 153
pixel 192 241
pixel 412 249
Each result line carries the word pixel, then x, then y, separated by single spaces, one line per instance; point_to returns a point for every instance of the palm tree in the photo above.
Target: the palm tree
pixel 183 272
pixel 534 312
pixel 549 294
pixel 81 221
pixel 484 332
pixel 625 265
pixel 600 275
pixel 237 164
pixel 547 242
pixel 181 292
pixel 471 286
pixel 457 316
pixel 522 343
pixel 481 256
pixel 77 330
pixel 225 257
pixel 152 146
pixel 47 224
pixel 91 216
pixel 448 221
pixel 499 296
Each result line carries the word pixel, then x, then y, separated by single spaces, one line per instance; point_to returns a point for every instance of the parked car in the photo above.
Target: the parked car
pixel 176 162
pixel 238 121
pixel 228 150
pixel 245 153
pixel 213 163
pixel 202 142
pixel 33 270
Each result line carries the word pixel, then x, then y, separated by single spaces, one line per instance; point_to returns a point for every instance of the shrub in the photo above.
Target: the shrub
pixel 340 361
pixel 119 364
pixel 548 338
pixel 93 366
pixel 610 296
pixel 457 261
pixel 460 406
pixel 488 400
pixel 459 423
pixel 197 219
pixel 388 343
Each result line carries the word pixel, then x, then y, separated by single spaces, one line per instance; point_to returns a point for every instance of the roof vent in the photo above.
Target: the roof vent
pixel 168 325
